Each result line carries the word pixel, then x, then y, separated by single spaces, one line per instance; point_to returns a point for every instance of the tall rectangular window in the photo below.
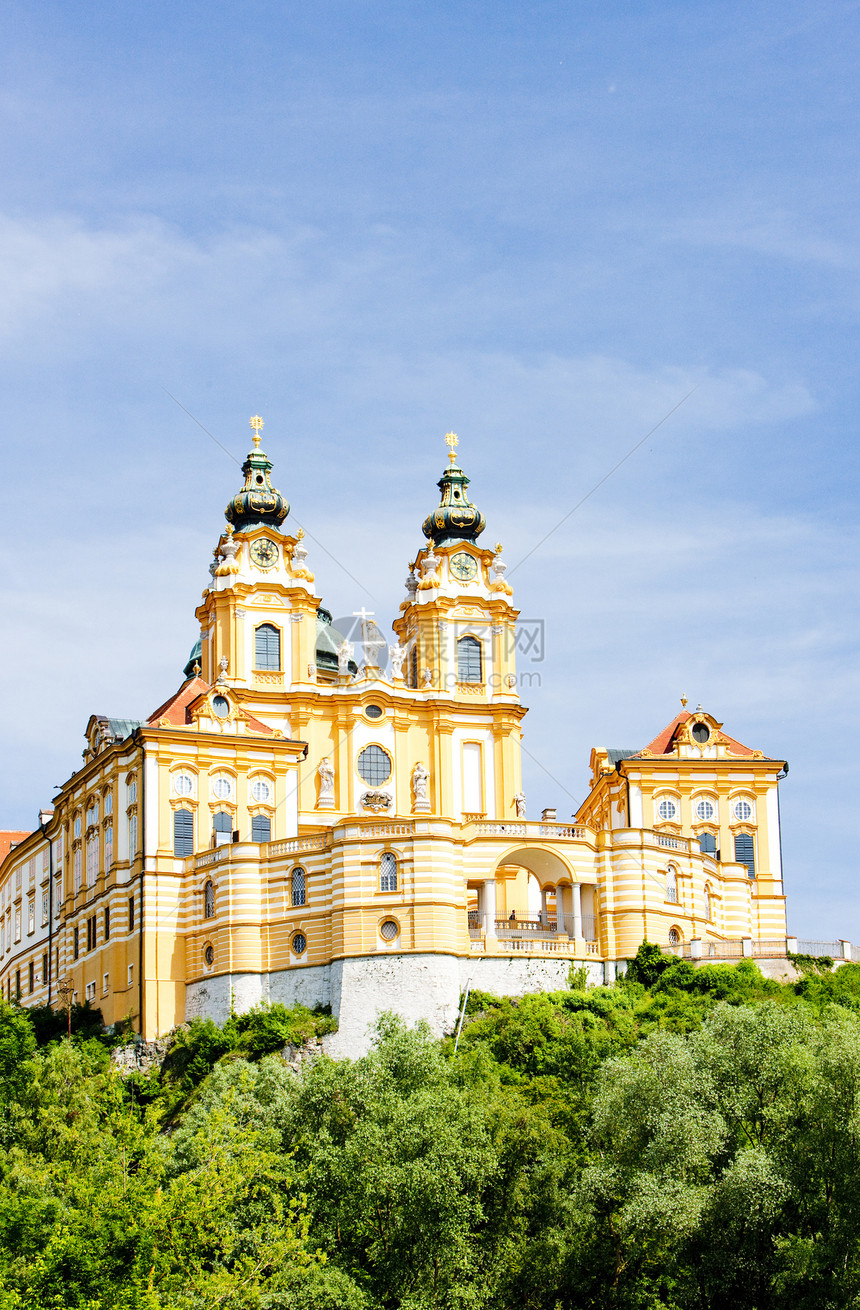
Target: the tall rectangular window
pixel 44 908
pixel 44 970
pixel 107 923
pixel 745 851
pixel 473 781
pixel 77 869
pixel 31 977
pixel 130 913
pixel 132 836
pixel 108 846
pixel 183 832
pixel 267 647
pixel 77 942
pixel 261 828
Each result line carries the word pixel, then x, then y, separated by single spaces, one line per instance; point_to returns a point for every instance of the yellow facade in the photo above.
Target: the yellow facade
pixel 292 811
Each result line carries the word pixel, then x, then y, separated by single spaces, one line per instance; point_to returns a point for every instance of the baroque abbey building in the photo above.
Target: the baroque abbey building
pixel 295 824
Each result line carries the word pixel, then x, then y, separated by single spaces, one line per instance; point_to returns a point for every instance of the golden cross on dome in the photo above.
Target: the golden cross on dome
pixel 451 439
pixel 256 423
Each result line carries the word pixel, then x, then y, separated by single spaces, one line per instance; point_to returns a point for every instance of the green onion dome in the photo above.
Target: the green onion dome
pixel 258 501
pixel 456 518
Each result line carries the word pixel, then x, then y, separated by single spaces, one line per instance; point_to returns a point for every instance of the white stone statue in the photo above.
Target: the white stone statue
pixel 520 802
pixel 325 773
pixel 397 654
pixel 223 665
pixel 344 655
pixel 420 786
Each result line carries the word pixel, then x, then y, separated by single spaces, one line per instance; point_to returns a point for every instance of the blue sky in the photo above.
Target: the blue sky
pixel 539 224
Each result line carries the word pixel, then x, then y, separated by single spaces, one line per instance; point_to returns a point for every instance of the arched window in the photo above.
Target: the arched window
pixel 298 886
pixel 388 872
pixel 261 828
pixel 469 660
pixel 745 851
pixel 209 901
pixel 674 937
pixel 672 885
pixel 267 647
pixel 183 832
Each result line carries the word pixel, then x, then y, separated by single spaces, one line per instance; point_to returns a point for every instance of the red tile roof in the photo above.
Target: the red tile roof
pixel 662 743
pixel 8 839
pixel 177 710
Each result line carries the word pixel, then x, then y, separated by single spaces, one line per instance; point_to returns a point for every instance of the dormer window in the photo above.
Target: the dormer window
pixel 701 733
pixel 221 706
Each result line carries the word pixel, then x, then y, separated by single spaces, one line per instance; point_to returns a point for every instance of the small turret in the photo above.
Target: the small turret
pixel 456 519
pixel 258 502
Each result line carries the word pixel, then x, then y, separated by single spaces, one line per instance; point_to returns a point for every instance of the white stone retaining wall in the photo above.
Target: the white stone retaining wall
pixel 413 986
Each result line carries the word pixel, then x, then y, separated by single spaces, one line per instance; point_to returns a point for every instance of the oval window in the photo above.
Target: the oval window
pixel 221 706
pixel 388 930
pixel 222 787
pixel 373 711
pixel 700 732
pixel 667 809
pixel 705 810
pixel 743 811
pixel 209 955
pixel 300 944
pixel 183 784
pixel 260 790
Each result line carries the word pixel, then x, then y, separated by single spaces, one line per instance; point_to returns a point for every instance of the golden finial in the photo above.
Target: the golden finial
pixel 256 423
pixel 498 548
pixel 451 439
pixel 684 700
pixel 300 534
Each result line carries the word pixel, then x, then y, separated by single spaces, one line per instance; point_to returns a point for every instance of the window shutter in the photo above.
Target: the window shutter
pixel 223 822
pixel 468 660
pixel 183 832
pixel 267 650
pixel 708 843
pixel 261 828
pixel 745 851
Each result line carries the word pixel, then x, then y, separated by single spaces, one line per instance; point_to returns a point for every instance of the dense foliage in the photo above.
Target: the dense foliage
pixel 686 1138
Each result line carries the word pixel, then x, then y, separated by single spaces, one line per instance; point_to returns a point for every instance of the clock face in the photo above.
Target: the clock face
pixel 264 552
pixel 464 566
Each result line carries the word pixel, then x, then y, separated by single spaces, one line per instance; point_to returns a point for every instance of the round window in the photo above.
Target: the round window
pixel 388 930
pixel 674 937
pixel 183 784
pixel 705 810
pixel 374 765
pixel 667 809
pixel 222 787
pixel 260 790
pixel 300 944
pixel 700 732
pixel 221 706
pixel 373 711
pixel 743 811
pixel 209 955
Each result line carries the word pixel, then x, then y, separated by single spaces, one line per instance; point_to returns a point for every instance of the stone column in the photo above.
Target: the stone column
pixel 560 909
pixel 577 910
pixel 543 912
pixel 488 906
